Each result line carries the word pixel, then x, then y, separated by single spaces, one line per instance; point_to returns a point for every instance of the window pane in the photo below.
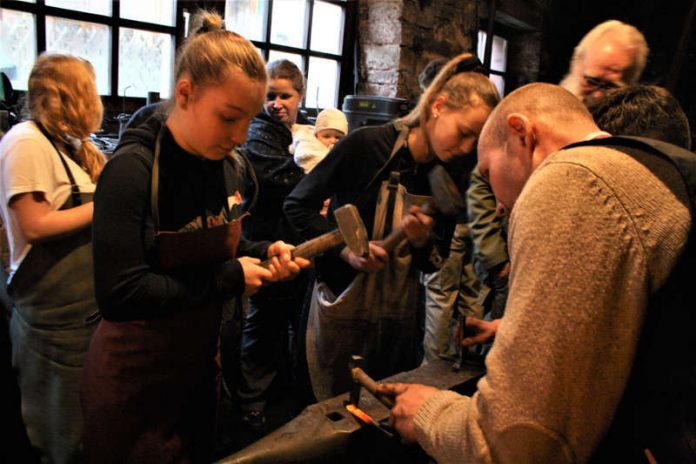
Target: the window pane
pixel 87 40
pixel 322 84
pixel 17 46
pixel 158 12
pixel 481 45
pixel 498 51
pixel 247 18
pixel 289 23
pixel 100 7
pixel 327 28
pixel 274 55
pixel 146 60
pixel 499 82
pixel 499 54
pixel 187 19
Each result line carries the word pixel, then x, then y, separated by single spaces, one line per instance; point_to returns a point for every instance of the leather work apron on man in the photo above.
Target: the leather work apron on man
pixel 375 316
pixel 52 323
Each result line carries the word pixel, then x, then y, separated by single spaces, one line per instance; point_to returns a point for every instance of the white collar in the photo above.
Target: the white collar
pixel 596 135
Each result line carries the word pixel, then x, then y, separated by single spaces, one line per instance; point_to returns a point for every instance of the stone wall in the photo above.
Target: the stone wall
pixel 379 45
pixel 524 53
pixel 397 38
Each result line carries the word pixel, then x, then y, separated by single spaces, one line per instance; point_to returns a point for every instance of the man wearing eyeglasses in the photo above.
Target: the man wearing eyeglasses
pixel 611 55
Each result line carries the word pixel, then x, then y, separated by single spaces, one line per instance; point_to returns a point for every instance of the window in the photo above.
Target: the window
pixel 310 33
pixel 130 43
pixel 17 45
pixel 89 40
pixel 498 63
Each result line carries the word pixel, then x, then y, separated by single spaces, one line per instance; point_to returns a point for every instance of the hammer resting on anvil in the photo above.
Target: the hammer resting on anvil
pixel 446 199
pixel 361 379
pixel 350 231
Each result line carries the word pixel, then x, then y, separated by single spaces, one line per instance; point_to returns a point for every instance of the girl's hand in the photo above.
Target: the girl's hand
pixel 417 226
pixel 254 274
pixel 374 262
pixel 283 266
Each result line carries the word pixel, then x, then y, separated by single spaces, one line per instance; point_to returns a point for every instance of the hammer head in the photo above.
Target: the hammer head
pixel 355 361
pixel 352 230
pixel 446 195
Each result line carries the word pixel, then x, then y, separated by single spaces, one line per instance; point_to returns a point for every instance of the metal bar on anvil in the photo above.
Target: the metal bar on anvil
pixel 324 430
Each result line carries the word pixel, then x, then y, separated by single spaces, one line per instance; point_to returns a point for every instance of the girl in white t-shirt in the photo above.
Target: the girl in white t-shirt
pixel 48 168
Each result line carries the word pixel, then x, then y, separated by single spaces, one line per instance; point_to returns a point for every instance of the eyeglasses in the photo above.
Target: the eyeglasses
pixel 598 83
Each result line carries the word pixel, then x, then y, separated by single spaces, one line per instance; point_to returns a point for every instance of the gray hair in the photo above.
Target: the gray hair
pixel 627 35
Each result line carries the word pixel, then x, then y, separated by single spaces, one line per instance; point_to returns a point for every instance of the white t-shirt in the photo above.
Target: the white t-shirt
pixel 28 163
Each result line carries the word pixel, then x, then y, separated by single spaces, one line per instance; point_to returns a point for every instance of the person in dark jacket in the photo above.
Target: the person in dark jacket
pixel 167 258
pixel 274 309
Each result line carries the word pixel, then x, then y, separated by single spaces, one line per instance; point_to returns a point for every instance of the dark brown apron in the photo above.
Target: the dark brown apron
pixel 150 388
pixel 52 322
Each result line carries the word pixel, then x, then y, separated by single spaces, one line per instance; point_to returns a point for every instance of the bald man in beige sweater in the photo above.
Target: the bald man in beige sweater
pixel 593 233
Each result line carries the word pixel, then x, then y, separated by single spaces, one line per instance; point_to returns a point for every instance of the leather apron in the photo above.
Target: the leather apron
pixel 150 388
pixel 376 315
pixel 52 323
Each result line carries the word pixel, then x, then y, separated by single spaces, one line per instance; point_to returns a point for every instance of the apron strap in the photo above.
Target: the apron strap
pixel 154 187
pixel 74 189
pixel 400 142
pixel 154 183
pixel 392 187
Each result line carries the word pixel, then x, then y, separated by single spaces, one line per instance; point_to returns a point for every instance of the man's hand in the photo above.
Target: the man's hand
pixel 417 226
pixel 409 398
pixel 283 266
pixel 478 331
pixel 374 262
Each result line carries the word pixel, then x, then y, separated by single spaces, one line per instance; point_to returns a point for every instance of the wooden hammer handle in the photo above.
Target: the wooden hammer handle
pixel 398 235
pixel 370 385
pixel 314 247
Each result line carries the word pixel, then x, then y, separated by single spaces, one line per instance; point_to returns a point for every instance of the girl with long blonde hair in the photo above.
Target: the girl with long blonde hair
pixel 48 170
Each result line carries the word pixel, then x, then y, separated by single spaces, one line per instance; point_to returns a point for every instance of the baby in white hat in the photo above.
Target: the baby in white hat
pixel 310 144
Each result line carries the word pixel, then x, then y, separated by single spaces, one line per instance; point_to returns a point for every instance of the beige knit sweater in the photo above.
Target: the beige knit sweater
pixel 592 236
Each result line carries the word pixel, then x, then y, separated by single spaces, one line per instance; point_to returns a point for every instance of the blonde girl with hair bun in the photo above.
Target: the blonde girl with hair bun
pixel 150 381
pixel 48 167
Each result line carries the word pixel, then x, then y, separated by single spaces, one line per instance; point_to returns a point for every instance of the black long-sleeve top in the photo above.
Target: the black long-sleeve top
pixel 129 284
pixel 345 176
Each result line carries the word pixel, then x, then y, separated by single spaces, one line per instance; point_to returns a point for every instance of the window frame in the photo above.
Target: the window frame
pixel 40 11
pixel 346 59
pixel 504 33
pixel 346 79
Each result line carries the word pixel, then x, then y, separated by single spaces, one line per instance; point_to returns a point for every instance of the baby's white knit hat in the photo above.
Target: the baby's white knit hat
pixel 331 118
